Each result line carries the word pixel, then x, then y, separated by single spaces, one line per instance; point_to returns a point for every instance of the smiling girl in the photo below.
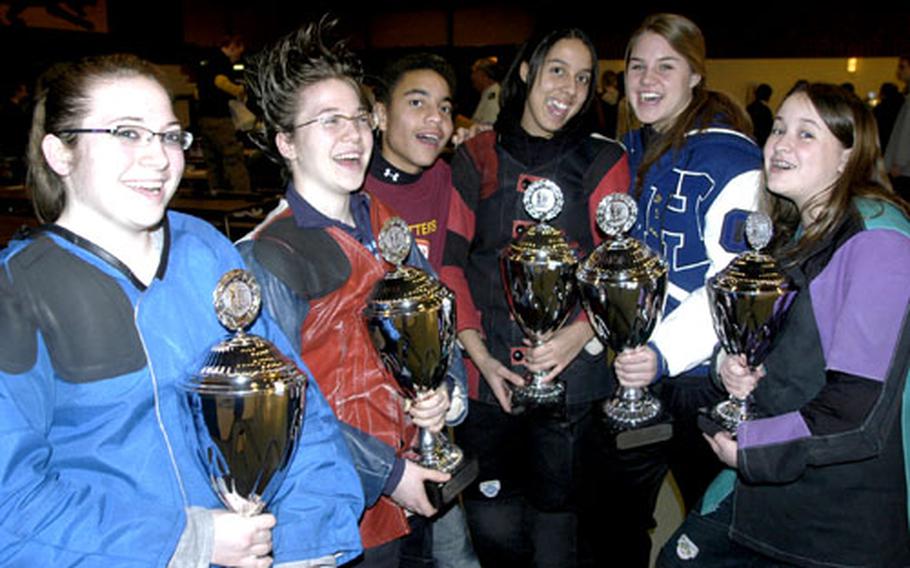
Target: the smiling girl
pixel 104 309
pixel 523 511
pixel 821 479
pixel 317 258
pixel 696 175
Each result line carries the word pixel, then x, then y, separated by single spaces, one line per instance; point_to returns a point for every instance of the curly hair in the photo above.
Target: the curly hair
pixel 277 75
pixel 392 73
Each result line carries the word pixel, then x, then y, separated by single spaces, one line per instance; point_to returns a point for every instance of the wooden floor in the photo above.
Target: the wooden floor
pixel 669 515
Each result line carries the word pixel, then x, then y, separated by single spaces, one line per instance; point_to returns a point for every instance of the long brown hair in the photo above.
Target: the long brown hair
pixel 848 119
pixel 63 97
pixel 707 108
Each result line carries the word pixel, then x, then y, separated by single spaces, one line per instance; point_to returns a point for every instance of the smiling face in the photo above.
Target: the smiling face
pixel 417 123
pixel 113 188
pixel 659 81
pixel 327 165
pixel 803 158
pixel 559 89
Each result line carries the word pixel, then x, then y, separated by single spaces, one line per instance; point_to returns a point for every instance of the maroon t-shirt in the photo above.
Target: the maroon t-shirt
pixel 422 200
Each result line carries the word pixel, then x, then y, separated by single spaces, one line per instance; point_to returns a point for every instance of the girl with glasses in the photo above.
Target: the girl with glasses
pixel 317 258
pixel 105 308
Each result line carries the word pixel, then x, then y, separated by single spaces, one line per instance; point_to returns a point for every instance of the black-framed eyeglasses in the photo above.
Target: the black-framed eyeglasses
pixel 139 136
pixel 335 121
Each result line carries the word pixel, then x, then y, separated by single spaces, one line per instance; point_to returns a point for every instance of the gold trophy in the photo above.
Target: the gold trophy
pixel 244 405
pixel 623 285
pixel 538 273
pixel 411 319
pixel 749 300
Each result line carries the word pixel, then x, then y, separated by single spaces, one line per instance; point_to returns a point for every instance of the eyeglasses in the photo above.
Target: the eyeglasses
pixel 335 122
pixel 139 136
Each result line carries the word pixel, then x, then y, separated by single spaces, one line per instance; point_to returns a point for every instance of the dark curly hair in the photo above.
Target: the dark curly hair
pixel 392 73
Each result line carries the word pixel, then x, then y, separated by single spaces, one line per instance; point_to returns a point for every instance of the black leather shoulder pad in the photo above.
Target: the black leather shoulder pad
pixel 86 319
pixel 18 331
pixel 308 261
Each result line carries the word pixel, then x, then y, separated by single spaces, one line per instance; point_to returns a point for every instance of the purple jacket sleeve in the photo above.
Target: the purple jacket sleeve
pixel 860 304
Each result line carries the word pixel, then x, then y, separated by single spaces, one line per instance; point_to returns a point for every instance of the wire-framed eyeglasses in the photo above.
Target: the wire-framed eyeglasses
pixel 334 122
pixel 139 136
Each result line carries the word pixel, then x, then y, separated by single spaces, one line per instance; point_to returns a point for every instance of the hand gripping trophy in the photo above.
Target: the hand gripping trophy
pixel 411 319
pixel 538 273
pixel 623 284
pixel 244 405
pixel 749 300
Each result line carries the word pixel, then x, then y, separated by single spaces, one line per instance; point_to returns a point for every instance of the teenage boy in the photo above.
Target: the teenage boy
pixel 414 111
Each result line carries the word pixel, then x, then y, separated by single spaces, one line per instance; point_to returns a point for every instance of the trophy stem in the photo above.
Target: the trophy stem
pixel 436 452
pixel 427 442
pixel 631 394
pixel 536 380
pixel 731 412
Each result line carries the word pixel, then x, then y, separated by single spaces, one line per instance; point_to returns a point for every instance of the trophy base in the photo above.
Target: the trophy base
pixel 463 475
pixel 540 397
pixel 445 457
pixel 725 416
pixel 660 431
pixel 633 424
pixel 625 414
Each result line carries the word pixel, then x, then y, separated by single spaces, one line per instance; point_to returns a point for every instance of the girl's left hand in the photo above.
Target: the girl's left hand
pixel 725 446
